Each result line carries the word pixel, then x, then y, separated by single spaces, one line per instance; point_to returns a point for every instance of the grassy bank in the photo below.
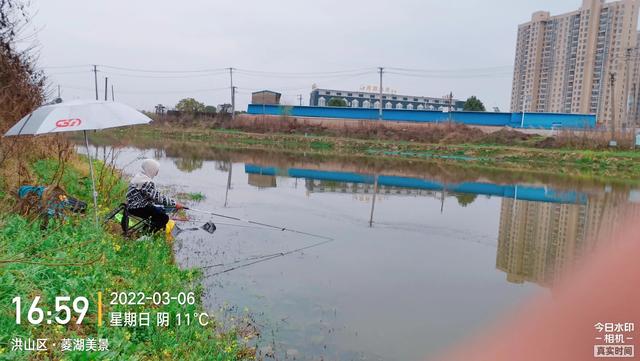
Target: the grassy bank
pixel 618 164
pixel 75 258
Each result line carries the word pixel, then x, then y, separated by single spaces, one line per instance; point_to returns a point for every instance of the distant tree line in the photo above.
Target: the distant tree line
pixel 192 106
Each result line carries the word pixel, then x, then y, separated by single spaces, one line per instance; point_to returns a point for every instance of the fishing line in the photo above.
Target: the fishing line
pixel 226 224
pixel 281 228
pixel 260 259
pixel 256 259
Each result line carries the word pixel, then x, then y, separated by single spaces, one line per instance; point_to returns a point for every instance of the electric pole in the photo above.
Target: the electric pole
pixel 450 105
pixel 381 70
pixel 233 95
pixel 626 90
pixel 95 78
pixel 612 83
pixel 106 87
pixel 300 99
pixel 113 98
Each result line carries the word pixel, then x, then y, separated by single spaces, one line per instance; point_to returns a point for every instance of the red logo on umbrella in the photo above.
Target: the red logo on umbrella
pixel 64 123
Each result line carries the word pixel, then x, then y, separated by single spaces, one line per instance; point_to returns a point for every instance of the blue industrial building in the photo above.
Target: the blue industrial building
pixel 514 120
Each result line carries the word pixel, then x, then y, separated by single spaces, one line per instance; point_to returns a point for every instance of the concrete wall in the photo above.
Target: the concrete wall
pixel 532 120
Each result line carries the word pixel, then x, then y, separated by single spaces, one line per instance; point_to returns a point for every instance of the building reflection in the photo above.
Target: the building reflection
pixel 262 181
pixel 543 232
pixel 538 242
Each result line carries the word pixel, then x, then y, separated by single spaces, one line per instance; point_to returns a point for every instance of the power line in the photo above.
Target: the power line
pixel 70 72
pixel 175 91
pixel 151 91
pixel 162 70
pixel 202 75
pixel 309 75
pixel 335 72
pixel 453 76
pixel 65 66
pixel 441 71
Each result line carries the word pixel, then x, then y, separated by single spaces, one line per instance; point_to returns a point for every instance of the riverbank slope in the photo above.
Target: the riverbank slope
pixel 522 156
pixel 77 259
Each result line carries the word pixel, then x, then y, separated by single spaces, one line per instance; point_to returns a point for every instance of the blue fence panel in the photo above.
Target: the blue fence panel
pixel 531 120
pixel 528 193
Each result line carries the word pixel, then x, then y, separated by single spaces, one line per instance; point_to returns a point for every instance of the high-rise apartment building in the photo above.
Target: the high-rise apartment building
pixel 584 61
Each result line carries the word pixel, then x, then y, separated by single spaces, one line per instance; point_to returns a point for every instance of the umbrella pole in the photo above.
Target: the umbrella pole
pixel 93 181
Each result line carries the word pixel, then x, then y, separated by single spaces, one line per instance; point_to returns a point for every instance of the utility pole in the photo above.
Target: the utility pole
pixel 626 90
pixel 300 99
pixel 233 103
pixel 106 87
pixel 226 193
pixel 612 83
pixel 373 200
pixel 113 98
pixel 450 106
pixel 524 105
pixel 381 70
pixel 95 77
pixel 233 95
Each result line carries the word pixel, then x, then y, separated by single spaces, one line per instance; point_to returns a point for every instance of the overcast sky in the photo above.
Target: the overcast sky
pixel 288 36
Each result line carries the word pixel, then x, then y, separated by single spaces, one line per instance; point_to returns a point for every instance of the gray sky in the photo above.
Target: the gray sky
pixel 293 36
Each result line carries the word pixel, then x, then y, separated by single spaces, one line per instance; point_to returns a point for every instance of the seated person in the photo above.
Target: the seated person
pixel 142 197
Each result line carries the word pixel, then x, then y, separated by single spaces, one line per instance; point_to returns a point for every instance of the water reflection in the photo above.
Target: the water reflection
pixel 538 242
pixel 433 269
pixel 542 233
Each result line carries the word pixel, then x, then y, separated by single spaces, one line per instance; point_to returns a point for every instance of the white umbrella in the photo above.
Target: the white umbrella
pixel 78 115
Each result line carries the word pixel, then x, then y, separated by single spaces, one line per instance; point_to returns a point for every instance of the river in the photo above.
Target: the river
pixel 436 256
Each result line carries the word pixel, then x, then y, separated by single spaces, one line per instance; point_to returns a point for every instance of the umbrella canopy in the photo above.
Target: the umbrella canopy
pixel 77 115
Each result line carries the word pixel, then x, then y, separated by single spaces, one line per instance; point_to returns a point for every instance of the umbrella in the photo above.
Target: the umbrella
pixel 78 115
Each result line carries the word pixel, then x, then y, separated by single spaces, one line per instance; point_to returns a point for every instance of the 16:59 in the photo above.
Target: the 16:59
pixel 63 313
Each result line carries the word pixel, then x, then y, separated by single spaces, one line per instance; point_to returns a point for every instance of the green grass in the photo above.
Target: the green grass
pixel 104 262
pixel 319 145
pixel 609 165
pixel 191 196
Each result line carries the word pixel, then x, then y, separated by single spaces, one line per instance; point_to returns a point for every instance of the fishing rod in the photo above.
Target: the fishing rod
pixel 260 223
pixel 260 259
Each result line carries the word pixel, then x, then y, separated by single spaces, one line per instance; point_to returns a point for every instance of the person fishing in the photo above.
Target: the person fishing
pixel 143 197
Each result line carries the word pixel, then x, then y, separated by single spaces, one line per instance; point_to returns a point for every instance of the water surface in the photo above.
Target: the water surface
pixel 439 255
